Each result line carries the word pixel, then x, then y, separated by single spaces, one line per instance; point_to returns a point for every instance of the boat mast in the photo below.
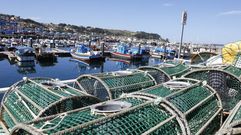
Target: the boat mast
pixel 184 20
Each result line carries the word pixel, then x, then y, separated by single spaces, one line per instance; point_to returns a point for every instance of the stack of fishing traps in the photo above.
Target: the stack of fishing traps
pixel 171 98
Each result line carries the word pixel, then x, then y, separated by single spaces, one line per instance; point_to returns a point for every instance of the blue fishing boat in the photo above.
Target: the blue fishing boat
pixel 125 52
pixel 144 51
pixel 162 53
pixel 26 67
pixel 84 53
pixel 24 53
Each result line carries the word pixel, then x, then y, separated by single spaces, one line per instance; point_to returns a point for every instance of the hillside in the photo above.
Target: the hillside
pixel 62 27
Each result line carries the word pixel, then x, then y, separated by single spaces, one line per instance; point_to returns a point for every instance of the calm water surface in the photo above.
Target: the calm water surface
pixel 64 68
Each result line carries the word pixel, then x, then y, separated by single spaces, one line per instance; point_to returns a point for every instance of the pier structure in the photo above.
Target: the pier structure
pixel 192 109
pixel 46 55
pixel 33 98
pixel 60 52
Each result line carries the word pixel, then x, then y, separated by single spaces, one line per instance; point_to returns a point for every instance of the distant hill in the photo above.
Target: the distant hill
pixel 62 27
pixel 101 31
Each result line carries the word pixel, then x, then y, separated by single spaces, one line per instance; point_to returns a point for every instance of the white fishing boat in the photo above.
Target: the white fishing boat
pixel 24 53
pixel 83 52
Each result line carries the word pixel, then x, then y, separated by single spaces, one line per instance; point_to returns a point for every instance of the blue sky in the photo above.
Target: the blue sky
pixel 209 21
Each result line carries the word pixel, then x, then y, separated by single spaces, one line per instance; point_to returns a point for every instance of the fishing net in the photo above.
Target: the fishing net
pixel 164 72
pixel 201 57
pixel 39 97
pixel 195 109
pixel 232 124
pixel 225 81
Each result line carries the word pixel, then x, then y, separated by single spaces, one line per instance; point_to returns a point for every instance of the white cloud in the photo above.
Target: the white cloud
pixel 232 12
pixel 167 4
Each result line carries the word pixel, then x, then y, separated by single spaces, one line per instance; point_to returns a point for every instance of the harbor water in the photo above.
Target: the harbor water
pixel 63 68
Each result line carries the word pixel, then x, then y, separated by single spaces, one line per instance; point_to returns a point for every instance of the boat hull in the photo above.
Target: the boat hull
pixel 157 55
pixel 125 56
pixel 46 57
pixel 86 57
pixel 25 58
pixel 162 56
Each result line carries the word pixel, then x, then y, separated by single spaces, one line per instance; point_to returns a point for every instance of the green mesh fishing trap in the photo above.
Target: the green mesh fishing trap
pixel 166 71
pixel 30 99
pixel 201 57
pixel 111 85
pixel 232 125
pixel 193 109
pixel 225 80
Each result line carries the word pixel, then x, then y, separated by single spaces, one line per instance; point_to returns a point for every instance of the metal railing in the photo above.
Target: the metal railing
pixel 4 89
